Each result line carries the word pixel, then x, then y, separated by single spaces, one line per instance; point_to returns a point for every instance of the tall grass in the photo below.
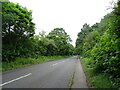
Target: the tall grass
pixel 22 62
pixel 98 80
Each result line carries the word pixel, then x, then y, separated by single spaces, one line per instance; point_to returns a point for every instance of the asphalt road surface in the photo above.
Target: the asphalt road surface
pixel 54 74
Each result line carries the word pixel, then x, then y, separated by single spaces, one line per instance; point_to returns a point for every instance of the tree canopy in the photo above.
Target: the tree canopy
pixel 101 43
pixel 62 41
pixel 17 27
pixel 19 39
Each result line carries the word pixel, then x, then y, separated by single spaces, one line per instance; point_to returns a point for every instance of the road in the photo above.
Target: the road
pixel 53 74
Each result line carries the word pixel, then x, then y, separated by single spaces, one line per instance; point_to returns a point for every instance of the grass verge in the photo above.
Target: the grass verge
pixel 23 62
pixel 98 80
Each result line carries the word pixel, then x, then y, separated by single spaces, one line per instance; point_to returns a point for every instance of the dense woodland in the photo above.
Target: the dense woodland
pixel 100 43
pixel 19 39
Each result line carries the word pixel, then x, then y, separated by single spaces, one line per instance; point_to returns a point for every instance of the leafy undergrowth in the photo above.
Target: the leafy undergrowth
pixel 23 62
pixel 98 80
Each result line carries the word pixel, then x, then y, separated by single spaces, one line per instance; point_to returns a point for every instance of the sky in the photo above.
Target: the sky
pixel 68 14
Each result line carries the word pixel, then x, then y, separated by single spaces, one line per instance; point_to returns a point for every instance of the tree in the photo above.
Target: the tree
pixel 61 40
pixel 102 44
pixel 81 36
pixel 17 27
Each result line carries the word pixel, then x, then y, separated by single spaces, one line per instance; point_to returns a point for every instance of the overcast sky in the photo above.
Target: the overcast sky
pixel 67 14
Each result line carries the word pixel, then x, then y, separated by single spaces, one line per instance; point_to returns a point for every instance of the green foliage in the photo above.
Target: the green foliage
pixel 80 40
pixel 102 44
pixel 19 39
pixel 62 41
pixel 17 27
pixel 98 80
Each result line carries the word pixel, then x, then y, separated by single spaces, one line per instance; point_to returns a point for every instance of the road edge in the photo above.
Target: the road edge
pixel 79 80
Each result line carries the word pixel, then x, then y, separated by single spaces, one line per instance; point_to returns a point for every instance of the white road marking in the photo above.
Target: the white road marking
pixel 54 64
pixel 57 63
pixel 15 79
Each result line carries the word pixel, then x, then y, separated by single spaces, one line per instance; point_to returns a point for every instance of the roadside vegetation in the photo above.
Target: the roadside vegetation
pixel 99 48
pixel 98 80
pixel 22 47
